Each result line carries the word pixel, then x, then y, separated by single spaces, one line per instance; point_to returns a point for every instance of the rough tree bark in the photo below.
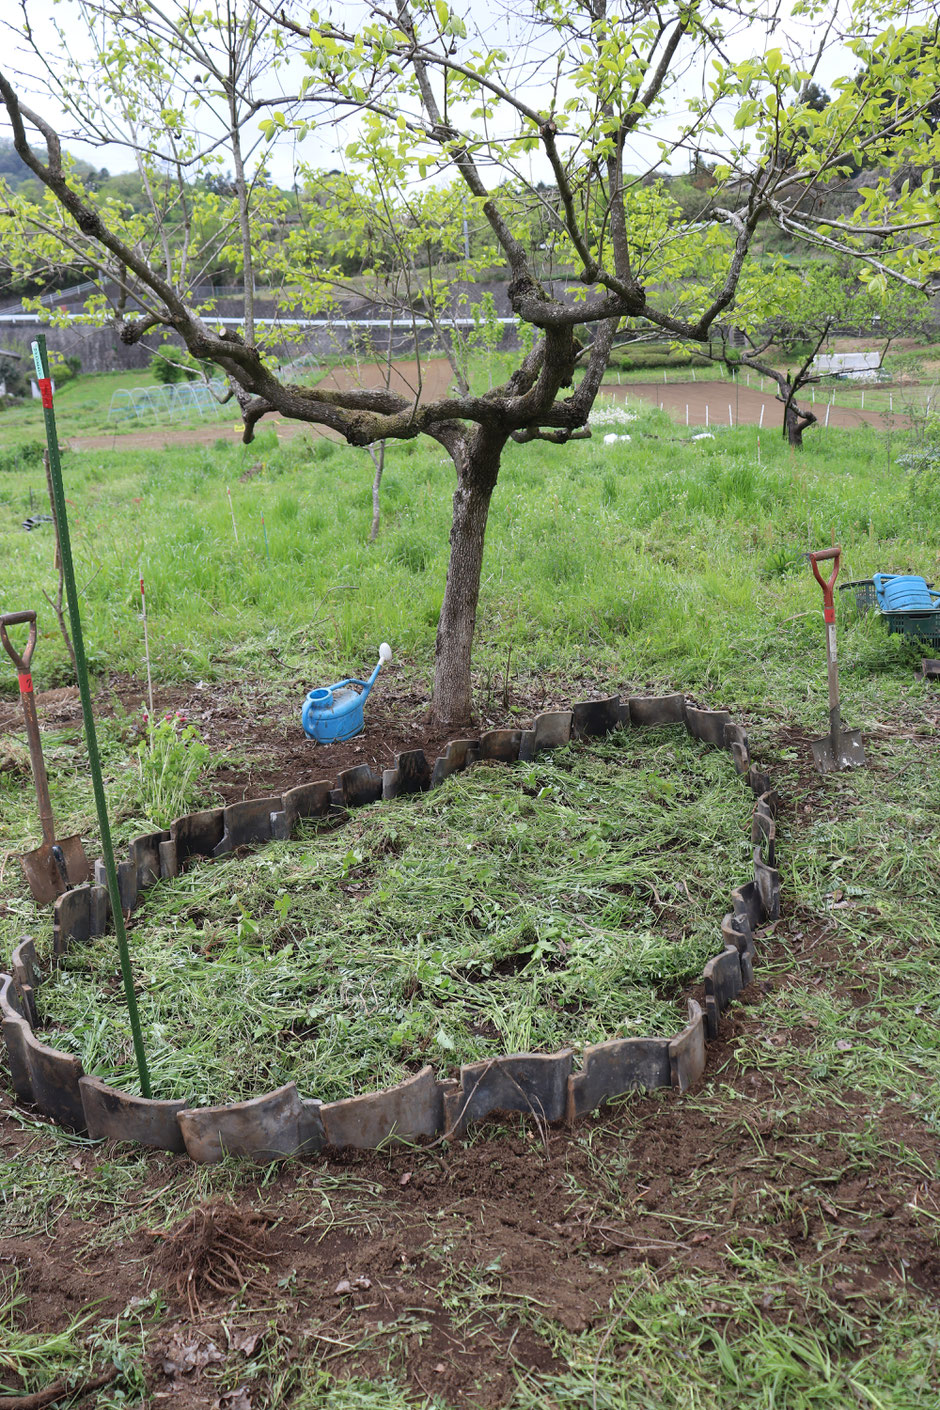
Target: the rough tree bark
pixel 476 481
pixel 795 422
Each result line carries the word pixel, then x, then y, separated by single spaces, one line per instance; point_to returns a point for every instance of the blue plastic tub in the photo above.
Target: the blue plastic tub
pixel 904 592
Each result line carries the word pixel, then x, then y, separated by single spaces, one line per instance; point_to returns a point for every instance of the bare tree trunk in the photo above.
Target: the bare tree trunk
pixel 244 218
pixel 795 423
pixel 476 481
pixel 791 426
pixel 378 458
pixel 56 602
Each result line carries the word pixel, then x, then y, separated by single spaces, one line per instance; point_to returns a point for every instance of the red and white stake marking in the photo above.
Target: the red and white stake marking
pixel 143 608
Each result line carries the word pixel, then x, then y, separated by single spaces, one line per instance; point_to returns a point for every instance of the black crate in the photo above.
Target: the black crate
pixel 919 626
pixel 866 599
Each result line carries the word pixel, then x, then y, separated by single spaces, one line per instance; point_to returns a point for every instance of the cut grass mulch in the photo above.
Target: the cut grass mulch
pixel 559 903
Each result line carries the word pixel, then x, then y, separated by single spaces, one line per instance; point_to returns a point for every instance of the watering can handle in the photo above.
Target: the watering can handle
pixel 13 619
pixel 827 585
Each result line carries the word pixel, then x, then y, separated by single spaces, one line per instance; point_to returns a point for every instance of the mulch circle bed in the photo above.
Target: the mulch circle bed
pixel 690 1181
pixel 281 1122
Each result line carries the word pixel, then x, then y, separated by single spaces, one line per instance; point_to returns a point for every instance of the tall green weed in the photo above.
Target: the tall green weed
pixel 171 760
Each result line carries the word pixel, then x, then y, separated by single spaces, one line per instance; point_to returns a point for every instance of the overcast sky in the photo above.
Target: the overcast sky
pixel 502 22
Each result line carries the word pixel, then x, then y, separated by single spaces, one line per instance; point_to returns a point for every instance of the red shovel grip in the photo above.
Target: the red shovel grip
pixel 824 555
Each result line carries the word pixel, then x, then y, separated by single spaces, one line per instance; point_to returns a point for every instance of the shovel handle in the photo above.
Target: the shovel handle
pixel 827 584
pixel 13 619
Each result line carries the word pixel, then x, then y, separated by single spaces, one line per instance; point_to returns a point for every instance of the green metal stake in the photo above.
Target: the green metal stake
pixel 41 361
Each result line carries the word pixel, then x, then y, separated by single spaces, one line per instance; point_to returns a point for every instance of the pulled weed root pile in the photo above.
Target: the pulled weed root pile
pixel 213 1251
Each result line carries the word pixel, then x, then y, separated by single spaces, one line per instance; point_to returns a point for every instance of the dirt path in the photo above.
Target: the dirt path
pixel 722 404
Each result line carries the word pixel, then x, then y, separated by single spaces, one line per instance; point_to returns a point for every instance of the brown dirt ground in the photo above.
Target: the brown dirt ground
pixel 363 1257
pixel 259 723
pixel 745 405
pixel 660 1182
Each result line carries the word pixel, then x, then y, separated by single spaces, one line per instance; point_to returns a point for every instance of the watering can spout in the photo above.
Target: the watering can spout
pixel 385 654
pixel 335 712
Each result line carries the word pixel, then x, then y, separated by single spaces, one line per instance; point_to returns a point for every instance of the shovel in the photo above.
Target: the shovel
pixel 839 749
pixel 60 863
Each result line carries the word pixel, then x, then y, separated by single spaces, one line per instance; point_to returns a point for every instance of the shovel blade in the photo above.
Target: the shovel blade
pixel 848 752
pixel 44 870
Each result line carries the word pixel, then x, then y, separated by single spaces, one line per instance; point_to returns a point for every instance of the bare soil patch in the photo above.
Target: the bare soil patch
pixel 375 1250
pixel 259 722
pixel 425 381
pixel 744 404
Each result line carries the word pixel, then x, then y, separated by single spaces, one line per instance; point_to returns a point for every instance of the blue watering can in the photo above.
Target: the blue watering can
pixel 904 592
pixel 336 711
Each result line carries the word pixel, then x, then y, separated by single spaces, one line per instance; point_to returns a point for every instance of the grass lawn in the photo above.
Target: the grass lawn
pixel 769 1241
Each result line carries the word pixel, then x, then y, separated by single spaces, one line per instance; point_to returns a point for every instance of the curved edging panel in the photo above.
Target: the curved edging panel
pixel 283 1123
